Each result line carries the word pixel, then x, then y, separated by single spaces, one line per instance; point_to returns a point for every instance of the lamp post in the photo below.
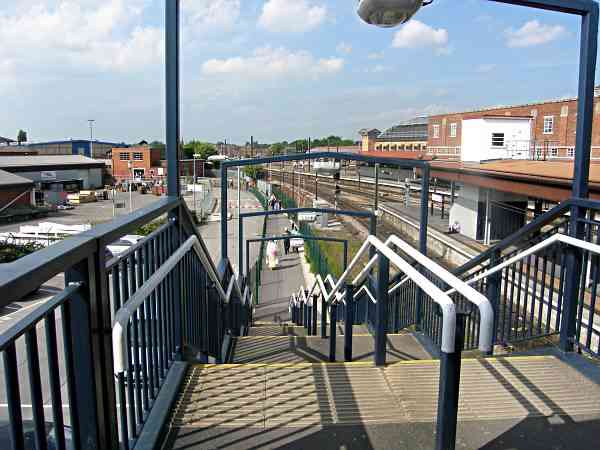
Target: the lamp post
pixel 130 166
pixel 195 156
pixel 91 122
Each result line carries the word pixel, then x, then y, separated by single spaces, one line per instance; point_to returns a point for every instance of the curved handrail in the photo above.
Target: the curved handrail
pixel 486 311
pixel 119 330
pixel 444 301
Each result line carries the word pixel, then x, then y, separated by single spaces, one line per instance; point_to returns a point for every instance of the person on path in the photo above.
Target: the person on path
pixel 286 241
pixel 272 255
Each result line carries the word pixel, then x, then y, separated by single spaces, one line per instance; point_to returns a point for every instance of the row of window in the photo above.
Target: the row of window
pixel 401 147
pixel 137 156
pixel 453 127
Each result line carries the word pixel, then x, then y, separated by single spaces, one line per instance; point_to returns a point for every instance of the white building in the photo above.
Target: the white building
pixel 495 137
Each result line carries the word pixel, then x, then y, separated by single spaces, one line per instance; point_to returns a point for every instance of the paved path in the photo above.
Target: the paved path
pixel 279 284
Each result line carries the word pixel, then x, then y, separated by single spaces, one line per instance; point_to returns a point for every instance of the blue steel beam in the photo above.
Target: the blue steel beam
pixel 225 165
pixel 577 7
pixel 326 155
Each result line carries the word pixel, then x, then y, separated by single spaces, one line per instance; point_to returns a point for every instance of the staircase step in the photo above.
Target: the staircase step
pixel 295 349
pixel 296 395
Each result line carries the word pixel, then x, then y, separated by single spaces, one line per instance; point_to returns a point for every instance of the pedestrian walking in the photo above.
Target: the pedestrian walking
pixel 286 241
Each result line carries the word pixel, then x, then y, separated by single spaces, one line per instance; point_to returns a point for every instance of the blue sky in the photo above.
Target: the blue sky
pixel 277 69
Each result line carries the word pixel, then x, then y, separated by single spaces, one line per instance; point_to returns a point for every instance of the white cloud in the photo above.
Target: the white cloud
pixel 70 32
pixel 291 16
pixel 377 69
pixel 202 15
pixel 376 55
pixel 344 47
pixel 271 63
pixel 533 33
pixel 416 34
pixel 485 68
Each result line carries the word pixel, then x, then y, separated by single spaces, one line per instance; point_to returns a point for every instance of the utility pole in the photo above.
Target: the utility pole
pixel 91 121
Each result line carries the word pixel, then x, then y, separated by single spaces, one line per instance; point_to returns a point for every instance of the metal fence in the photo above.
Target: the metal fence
pixel 65 385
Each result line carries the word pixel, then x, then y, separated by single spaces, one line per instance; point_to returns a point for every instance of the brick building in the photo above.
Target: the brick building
pixel 145 163
pixel 141 162
pixel 552 137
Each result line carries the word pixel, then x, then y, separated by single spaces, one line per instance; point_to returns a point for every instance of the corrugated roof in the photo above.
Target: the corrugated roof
pixel 8 179
pixel 46 160
pixel 7 162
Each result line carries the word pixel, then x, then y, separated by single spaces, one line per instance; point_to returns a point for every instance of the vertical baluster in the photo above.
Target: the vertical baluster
pixel 54 379
pixel 13 396
pixel 35 386
pixel 123 410
pixel 131 402
pixel 555 253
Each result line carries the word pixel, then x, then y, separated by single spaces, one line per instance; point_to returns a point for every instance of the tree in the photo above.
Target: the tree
pixel 203 149
pixel 21 137
pixel 277 148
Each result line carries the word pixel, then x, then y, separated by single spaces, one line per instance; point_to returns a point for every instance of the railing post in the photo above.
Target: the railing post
pixel 449 389
pixel 424 221
pixel 178 286
pixel 348 322
pixel 308 318
pixel 383 284
pixel 493 288
pixel 323 317
pixel 332 331
pixel 241 247
pixel 81 356
pixel 315 300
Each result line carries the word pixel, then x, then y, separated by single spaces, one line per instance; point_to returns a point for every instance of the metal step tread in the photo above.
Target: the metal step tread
pixel 295 395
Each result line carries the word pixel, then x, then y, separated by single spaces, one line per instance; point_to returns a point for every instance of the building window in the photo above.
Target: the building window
pixel 436 131
pixel 570 152
pixel 378 147
pixel 453 127
pixel 124 156
pixel 548 124
pixel 497 139
pixel 554 152
pixel 138 156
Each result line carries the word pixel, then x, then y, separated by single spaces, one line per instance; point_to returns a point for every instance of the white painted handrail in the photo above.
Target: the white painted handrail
pixel 486 312
pixel 444 301
pixel 119 330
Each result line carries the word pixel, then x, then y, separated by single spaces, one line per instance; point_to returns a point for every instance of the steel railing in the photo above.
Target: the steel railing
pixel 184 312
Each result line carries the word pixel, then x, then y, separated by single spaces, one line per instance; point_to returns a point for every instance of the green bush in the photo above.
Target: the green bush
pixel 10 252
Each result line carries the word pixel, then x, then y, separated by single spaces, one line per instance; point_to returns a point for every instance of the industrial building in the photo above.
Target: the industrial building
pixel 91 149
pixel 56 175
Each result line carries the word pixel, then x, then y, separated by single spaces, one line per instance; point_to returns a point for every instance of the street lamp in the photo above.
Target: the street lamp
pixel 195 157
pixel 389 13
pixel 91 121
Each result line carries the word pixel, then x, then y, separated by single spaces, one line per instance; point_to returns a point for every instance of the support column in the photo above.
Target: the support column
pixel 449 390
pixel 315 300
pixel 323 317
pixel 583 140
pixel 348 322
pixel 332 331
pixel 424 222
pixel 172 92
pixel 383 282
pixel 240 247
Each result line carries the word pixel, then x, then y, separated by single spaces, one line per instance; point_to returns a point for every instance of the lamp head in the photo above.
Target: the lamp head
pixel 388 13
